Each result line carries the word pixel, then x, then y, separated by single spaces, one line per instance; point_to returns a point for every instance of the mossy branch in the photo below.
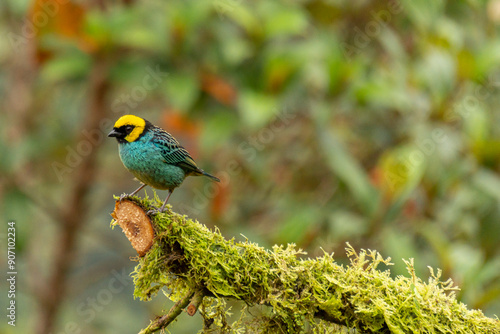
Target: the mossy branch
pixel 165 320
pixel 196 266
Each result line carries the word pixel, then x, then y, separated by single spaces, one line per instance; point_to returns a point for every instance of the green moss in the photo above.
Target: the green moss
pixel 304 294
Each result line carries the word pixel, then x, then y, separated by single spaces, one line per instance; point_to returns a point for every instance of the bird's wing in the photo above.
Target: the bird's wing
pixel 173 153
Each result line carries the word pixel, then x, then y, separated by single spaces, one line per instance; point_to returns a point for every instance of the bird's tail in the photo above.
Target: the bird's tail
pixel 210 176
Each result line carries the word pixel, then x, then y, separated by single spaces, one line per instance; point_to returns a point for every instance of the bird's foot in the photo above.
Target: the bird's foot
pixel 153 212
pixel 156 211
pixel 123 196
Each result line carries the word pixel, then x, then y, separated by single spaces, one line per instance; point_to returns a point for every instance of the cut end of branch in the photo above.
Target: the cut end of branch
pixel 191 309
pixel 136 225
pixel 195 302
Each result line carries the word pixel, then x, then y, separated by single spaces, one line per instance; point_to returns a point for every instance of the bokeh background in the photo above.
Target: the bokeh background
pixel 369 122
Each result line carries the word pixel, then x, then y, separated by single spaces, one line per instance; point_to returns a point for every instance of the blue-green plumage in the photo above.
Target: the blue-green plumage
pixel 145 158
pixel 152 155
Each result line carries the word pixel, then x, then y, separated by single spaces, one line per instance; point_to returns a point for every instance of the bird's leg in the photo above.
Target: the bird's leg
pixel 165 203
pixel 133 193
pixel 154 212
pixel 137 190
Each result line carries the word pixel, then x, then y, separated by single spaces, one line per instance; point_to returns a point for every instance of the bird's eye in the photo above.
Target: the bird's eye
pixel 129 128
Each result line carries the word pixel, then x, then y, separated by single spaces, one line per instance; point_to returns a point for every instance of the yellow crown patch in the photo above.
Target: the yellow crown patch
pixel 135 121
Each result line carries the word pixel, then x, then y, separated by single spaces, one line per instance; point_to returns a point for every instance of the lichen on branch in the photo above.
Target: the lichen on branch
pixel 201 268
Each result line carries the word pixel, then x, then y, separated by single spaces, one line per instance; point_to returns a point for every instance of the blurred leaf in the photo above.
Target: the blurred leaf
pixel 18 208
pixel 66 67
pixel 324 12
pixel 488 274
pixel 218 128
pixel 401 170
pixel 423 13
pixel 182 90
pixel 141 38
pixel 465 64
pixel 218 88
pixel 239 12
pixel 348 170
pixel 284 21
pixel 401 246
pixel 487 60
pixel 236 49
pixel 477 124
pixel 346 225
pixel 178 122
pixel 488 182
pixel 256 109
pixel 279 71
pixel 296 226
pixel 439 243
pixel 438 73
pixel 385 89
pixel 466 261
pixel 392 43
pixel 220 202
pixel 62 19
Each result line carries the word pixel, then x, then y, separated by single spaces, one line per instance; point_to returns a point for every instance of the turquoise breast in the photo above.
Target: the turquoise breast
pixel 144 160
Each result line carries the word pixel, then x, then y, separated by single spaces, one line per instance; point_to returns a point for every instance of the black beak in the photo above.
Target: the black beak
pixel 115 133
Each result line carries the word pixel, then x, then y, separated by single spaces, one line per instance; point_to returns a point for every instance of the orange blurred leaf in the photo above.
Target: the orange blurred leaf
pixel 220 201
pixel 63 19
pixel 218 88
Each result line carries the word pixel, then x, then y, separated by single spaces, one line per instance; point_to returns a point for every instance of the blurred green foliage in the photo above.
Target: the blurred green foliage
pixel 363 121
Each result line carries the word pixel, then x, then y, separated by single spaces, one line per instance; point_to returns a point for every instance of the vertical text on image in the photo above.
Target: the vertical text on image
pixel 11 272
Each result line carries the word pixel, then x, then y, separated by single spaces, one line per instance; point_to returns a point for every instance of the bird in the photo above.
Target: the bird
pixel 153 155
